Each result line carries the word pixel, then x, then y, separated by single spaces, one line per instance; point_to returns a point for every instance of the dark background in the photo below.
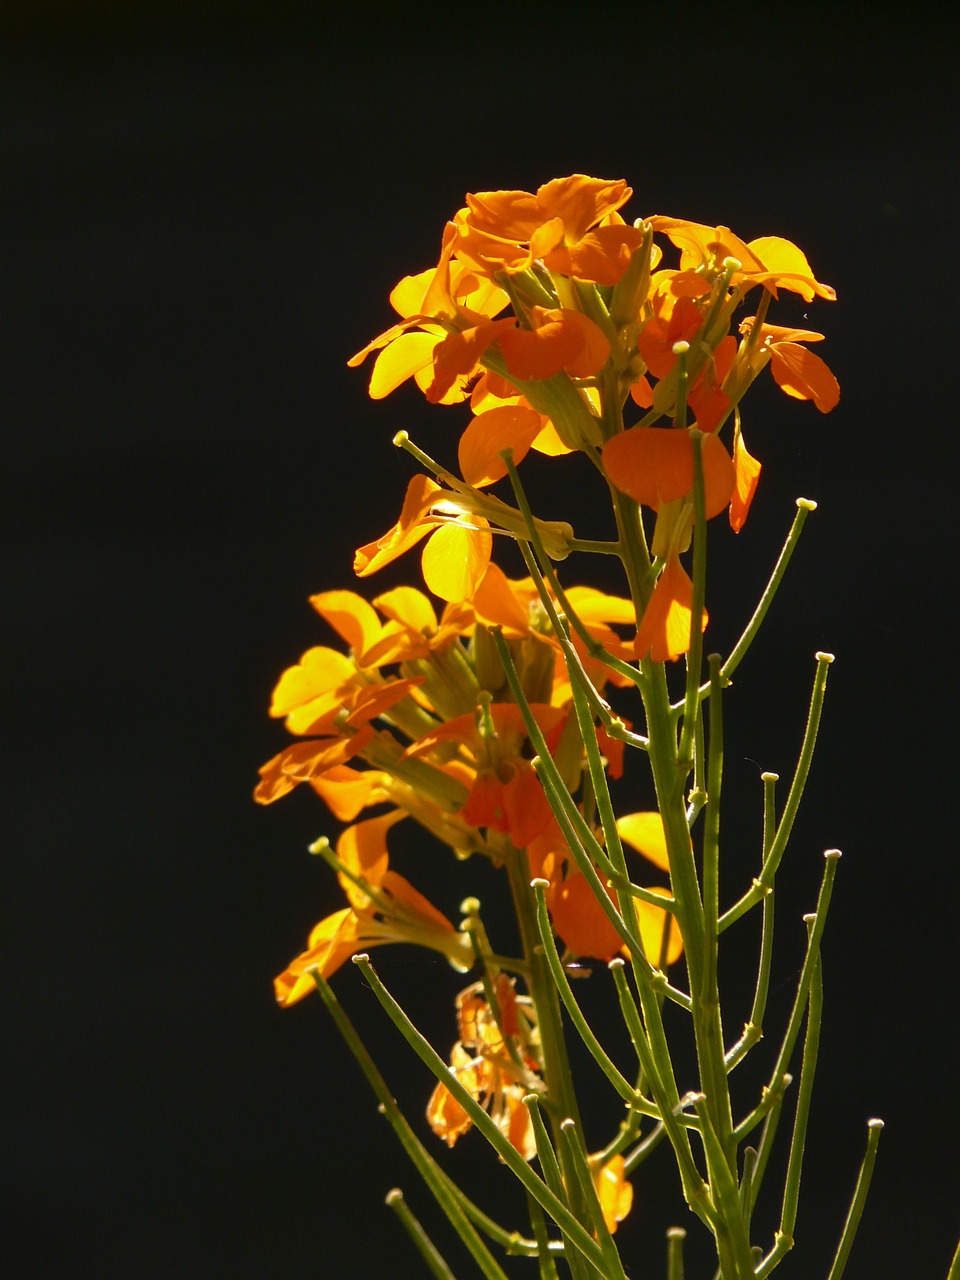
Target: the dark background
pixel 201 219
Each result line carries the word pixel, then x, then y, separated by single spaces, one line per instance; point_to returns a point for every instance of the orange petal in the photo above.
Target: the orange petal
pixel 580 921
pixel 542 352
pixel 651 464
pixel 400 360
pixel 459 354
pixel 362 848
pixel 664 631
pixel 347 791
pixel 320 671
pixel 506 427
pixel 352 617
pixel 613 1191
pixel 748 473
pixel 332 942
pixel 803 375
pixel 581 201
pixel 786 265
pixel 410 528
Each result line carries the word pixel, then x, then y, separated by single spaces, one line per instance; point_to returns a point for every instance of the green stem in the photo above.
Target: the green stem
pixel 550 1167
pixel 739 651
pixel 675 1239
pixel 831 858
pixel 562 984
pixel 695 653
pixel 778 845
pixel 427 1249
pixel 576 1158
pixel 874 1129
pixel 555 1207
pixel 811 1046
pixel 426 1166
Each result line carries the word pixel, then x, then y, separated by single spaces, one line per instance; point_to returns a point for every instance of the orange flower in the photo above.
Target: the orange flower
pixel 559 224
pixel 801 373
pixel 482 1061
pixel 655 465
pixel 561 340
pixel 506 794
pixel 459 548
pixel 578 918
pixel 449 296
pixel 769 260
pixel 667 623
pixel 384 907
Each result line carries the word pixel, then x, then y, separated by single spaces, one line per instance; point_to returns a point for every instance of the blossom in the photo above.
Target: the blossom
pixel 769 261
pixel 578 917
pixel 569 224
pixel 383 907
pixel 506 795
pixel 494 1061
pixel 459 548
pixel 667 624
pixel 799 372
pixel 447 297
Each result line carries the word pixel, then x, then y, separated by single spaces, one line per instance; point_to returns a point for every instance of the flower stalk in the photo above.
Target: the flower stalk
pixel 509 719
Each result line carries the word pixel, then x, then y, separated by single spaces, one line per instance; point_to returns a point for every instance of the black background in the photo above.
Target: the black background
pixel 201 219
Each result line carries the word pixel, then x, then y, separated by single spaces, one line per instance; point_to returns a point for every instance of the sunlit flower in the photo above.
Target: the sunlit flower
pixel 769 261
pixel 459 548
pixel 559 224
pixel 578 918
pixel 384 907
pixel 799 372
pixel 449 297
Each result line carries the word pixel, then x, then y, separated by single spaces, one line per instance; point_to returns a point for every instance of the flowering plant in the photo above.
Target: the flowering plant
pixel 498 724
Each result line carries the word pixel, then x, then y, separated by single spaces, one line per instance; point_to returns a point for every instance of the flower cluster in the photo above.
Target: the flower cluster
pixel 418 718
pixel 594 320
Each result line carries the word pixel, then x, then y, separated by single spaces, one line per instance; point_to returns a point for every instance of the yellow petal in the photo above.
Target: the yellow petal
pixel 644 832
pixel 455 559
pixel 653 921
pixel 400 360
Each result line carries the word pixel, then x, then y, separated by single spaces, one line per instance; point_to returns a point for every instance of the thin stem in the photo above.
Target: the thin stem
pixel 831 859
pixel 427 1249
pixel 729 1227
pixel 550 1167
pixel 483 1122
pixel 811 1046
pixel 874 1129
pixel 546 1265
pixel 426 1166
pixel 577 1159
pixel 739 651
pixel 759 1007
pixel 695 1189
pixel 706 998
pixel 695 653
pixel 675 1239
pixel 562 984
pixel 778 845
